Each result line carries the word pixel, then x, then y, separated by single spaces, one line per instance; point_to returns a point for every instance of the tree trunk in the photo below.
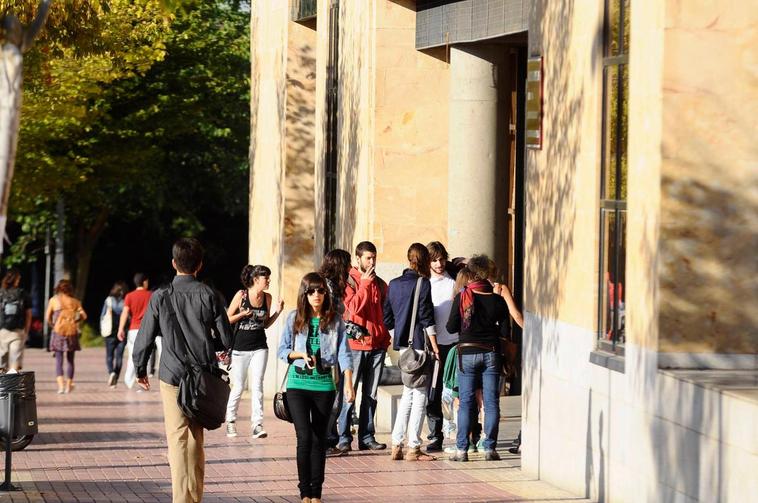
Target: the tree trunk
pixel 86 242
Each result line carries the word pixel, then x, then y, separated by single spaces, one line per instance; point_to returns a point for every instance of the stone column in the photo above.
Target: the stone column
pixel 472 155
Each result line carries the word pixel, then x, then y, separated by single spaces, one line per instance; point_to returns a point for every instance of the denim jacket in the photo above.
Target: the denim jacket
pixel 333 342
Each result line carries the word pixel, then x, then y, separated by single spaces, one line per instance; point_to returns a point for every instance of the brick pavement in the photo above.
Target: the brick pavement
pixel 107 445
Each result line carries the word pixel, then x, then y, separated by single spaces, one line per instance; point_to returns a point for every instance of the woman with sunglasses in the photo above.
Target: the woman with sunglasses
pixel 314 343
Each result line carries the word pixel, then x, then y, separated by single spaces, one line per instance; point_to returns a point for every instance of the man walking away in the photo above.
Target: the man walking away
pixel 443 286
pixel 186 314
pixel 369 339
pixel 15 320
pixel 135 304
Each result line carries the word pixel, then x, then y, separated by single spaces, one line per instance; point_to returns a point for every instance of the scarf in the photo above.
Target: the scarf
pixel 467 300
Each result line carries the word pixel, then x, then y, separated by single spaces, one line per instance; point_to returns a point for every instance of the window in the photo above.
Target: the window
pixel 613 183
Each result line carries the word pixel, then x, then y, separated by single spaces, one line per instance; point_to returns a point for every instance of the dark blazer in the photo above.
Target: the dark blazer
pixel 398 307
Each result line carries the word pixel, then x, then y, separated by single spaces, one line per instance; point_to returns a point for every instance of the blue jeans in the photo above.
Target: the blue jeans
pixel 367 368
pixel 114 354
pixel 479 370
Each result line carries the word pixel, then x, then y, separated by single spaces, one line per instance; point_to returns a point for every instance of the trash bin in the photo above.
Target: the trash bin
pixel 21 386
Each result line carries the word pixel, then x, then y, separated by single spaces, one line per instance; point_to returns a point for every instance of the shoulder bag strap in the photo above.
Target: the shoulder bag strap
pixel 412 329
pixel 287 372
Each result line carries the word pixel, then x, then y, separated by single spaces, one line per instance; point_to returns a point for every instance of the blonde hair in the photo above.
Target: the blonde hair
pixel 463 278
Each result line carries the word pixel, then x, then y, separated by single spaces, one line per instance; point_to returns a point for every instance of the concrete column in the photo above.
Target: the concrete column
pixel 472 155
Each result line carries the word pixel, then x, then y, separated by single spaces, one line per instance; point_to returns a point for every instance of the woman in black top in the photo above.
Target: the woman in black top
pixel 250 310
pixel 479 316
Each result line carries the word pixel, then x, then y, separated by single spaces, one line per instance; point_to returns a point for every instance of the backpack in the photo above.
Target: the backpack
pixel 67 323
pixel 12 315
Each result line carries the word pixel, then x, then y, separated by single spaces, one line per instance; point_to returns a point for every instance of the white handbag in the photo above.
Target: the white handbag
pixel 106 322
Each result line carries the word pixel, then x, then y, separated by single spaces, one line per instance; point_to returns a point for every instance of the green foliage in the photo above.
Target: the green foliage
pixel 90 338
pixel 150 123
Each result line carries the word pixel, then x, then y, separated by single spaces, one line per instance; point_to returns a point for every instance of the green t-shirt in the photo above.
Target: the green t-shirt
pixel 311 379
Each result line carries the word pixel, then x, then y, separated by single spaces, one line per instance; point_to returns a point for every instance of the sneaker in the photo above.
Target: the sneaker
pixel 461 456
pixel 451 449
pixel 345 447
pixel 472 448
pixel 491 456
pixel 112 379
pixel 259 432
pixel 335 452
pixel 515 449
pixel 435 446
pixel 231 430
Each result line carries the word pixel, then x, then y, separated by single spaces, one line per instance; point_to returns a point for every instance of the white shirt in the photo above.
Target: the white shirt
pixel 442 298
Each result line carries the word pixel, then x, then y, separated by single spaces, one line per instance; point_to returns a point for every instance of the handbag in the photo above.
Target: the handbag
pixel 204 388
pixel 413 365
pixel 281 408
pixel 106 322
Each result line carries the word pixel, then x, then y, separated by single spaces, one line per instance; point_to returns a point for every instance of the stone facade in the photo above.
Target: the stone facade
pixel 414 133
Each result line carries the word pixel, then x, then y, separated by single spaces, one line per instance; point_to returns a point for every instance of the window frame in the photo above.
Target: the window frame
pixel 613 204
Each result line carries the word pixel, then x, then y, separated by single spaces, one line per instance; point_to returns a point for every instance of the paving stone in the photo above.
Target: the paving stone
pixel 99 444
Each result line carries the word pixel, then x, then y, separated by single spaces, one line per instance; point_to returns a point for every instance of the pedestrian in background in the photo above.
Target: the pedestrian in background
pixel 113 306
pixel 65 314
pixel 15 320
pixel 135 305
pixel 443 290
pixel 314 343
pixel 185 314
pixel 336 270
pixel 250 310
pixel 480 317
pixel 398 310
pixel 365 293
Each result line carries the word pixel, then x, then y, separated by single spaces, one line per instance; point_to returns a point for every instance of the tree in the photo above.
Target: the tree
pixel 118 138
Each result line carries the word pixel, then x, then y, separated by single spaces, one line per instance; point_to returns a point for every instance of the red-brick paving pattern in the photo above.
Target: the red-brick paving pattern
pixel 108 445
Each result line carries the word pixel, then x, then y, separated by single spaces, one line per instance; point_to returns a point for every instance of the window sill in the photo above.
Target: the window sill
pixel 608 360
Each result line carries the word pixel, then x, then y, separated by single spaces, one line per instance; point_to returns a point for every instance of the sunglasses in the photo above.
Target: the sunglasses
pixel 319 290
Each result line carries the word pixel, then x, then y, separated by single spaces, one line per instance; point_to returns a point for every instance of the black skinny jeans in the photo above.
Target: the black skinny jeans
pixel 310 412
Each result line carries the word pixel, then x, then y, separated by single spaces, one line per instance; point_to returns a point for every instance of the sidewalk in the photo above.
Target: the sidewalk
pixel 104 445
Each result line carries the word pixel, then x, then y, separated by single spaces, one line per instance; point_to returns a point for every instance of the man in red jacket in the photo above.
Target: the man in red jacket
pixel 369 340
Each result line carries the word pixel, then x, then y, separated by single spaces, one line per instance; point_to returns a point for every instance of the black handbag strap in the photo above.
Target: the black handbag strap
pixel 414 311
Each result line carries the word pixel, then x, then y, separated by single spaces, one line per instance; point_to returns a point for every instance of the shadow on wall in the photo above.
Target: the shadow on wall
pixel 709 238
pixel 258 246
pixel 550 187
pixel 349 126
pixel 300 161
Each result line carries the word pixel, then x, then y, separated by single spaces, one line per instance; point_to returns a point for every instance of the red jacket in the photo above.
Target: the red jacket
pixel 363 305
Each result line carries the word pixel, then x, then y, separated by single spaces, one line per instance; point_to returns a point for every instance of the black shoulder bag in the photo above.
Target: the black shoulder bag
pixel 281 408
pixel 204 388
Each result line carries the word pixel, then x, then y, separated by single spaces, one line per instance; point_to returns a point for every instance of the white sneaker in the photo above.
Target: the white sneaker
pixel 231 430
pixel 112 380
pixel 259 432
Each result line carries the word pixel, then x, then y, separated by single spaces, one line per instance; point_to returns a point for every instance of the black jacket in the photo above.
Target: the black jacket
pixel 199 312
pixel 398 308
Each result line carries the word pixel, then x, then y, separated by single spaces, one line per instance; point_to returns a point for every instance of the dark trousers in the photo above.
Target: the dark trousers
pixel 310 412
pixel 59 363
pixel 114 354
pixel 434 407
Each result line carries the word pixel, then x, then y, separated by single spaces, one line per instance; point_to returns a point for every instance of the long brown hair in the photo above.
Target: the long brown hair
pixel 418 259
pixel 11 278
pixel 65 287
pixel 464 277
pixel 304 311
pixel 336 268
